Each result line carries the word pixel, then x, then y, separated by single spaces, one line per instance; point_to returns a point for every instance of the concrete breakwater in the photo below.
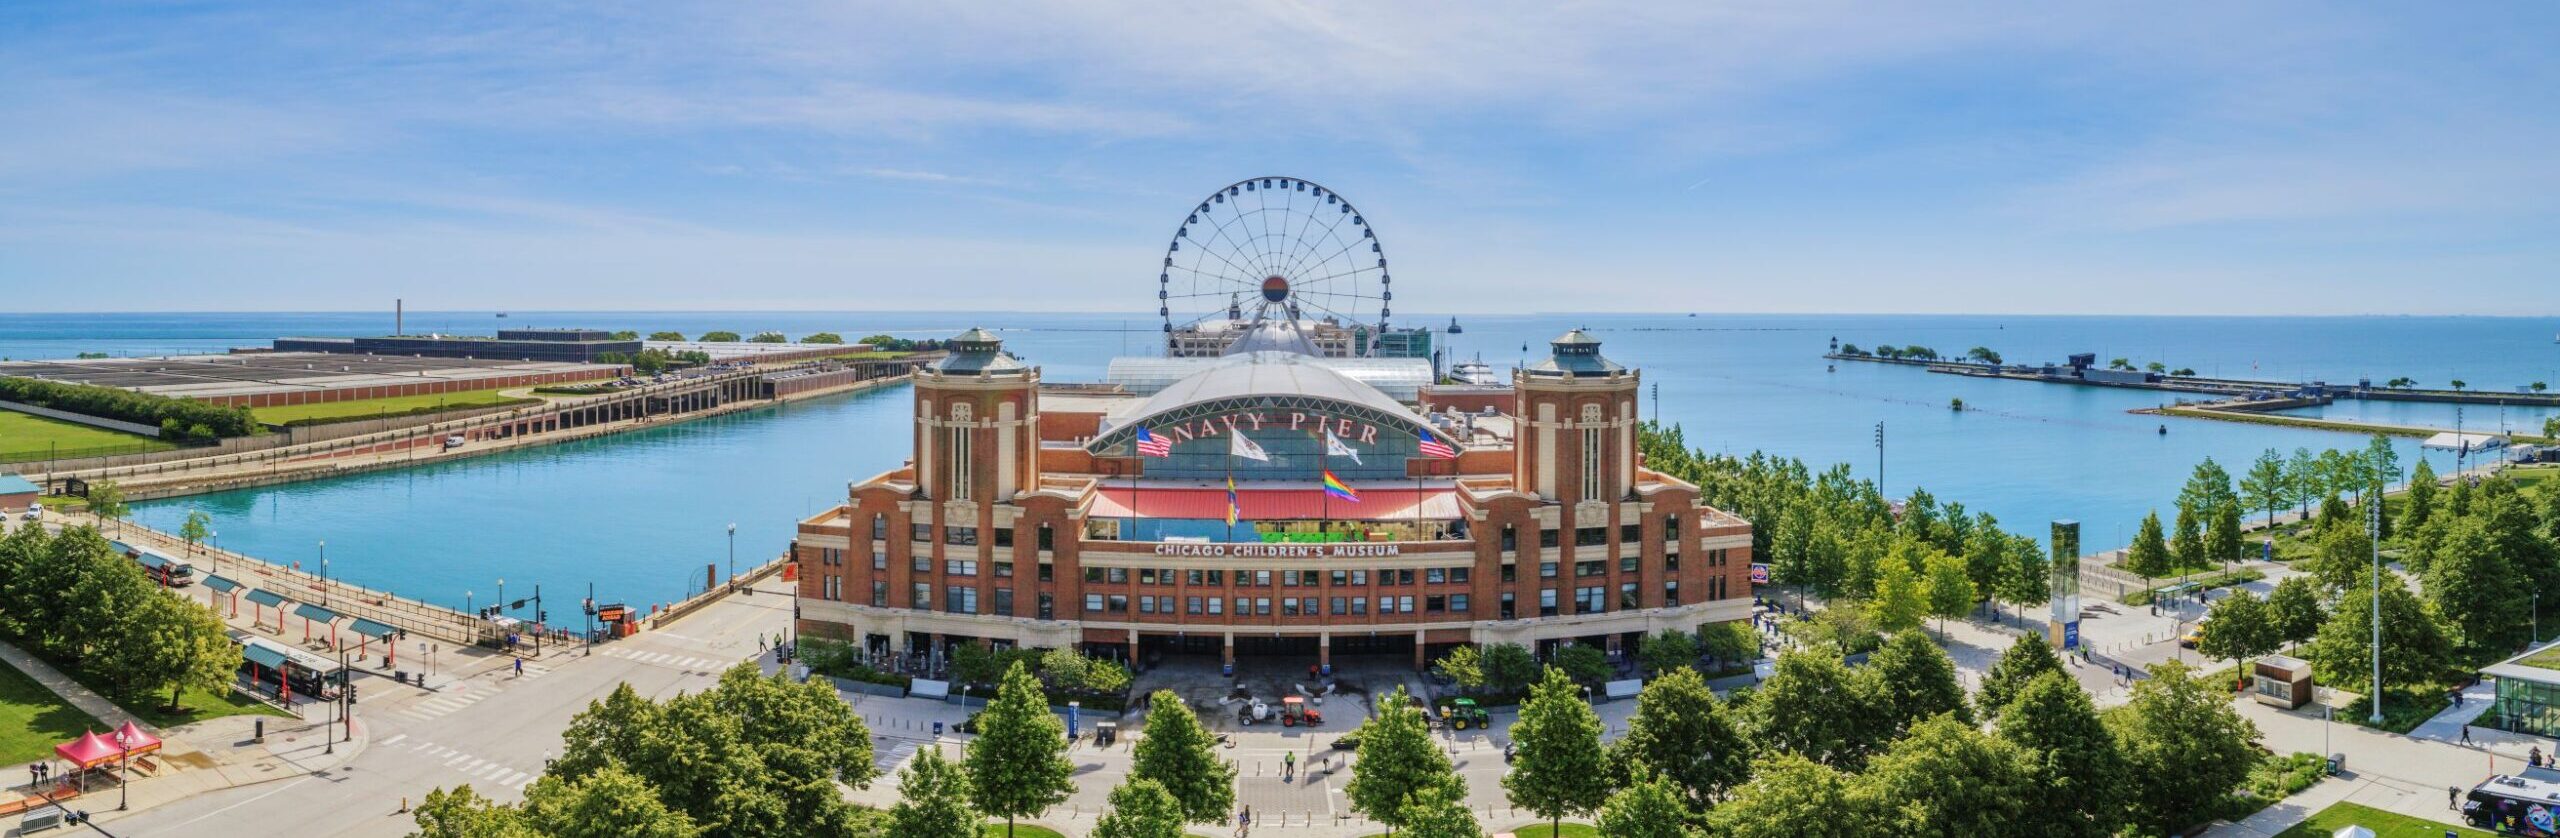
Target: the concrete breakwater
pixel 2226 387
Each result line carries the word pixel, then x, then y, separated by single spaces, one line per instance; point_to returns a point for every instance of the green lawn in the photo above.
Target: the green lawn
pixel 30 437
pixel 996 830
pixel 2384 824
pixel 153 709
pixel 33 719
pixel 389 406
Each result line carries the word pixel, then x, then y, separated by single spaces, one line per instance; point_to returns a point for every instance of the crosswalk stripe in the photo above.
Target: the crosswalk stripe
pixel 493 770
pixel 517 779
pixel 395 740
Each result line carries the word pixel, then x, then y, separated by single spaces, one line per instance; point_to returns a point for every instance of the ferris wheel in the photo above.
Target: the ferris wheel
pixel 1274 248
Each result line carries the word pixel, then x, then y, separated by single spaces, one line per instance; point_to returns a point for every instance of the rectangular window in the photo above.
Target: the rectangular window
pixel 1462 575
pixel 1630 533
pixel 1546 602
pixel 1359 577
pixel 1435 604
pixel 960 567
pixel 1590 536
pixel 1340 578
pixel 1338 606
pixel 1436 575
pixel 922 597
pixel 879 560
pixel 1403 576
pixel 1627 596
pixel 1547 537
pixel 1289 606
pixel 1510 572
pixel 1627 563
pixel 1004 602
pixel 1093 603
pixel 1589 568
pixel 1217 606
pixel 1262 578
pixel 1004 536
pixel 1671 562
pixel 1671 593
pixel 1670 529
pixel 1510 608
pixel 1116 575
pixel 1047 540
pixel 1510 538
pixel 1048 572
pixel 1048 607
pixel 879 527
pixel 1458 603
pixel 959 599
pixel 1262 606
pixel 1591 600
pixel 1191 605
pixel 879 594
pixel 1591 459
pixel 1116 603
pixel 1146 605
pixel 1546 570
pixel 1359 606
pixel 1405 604
pixel 964 536
pixel 920 532
pixel 1004 570
pixel 1217 578
pixel 1146 576
pixel 923 562
pixel 1191 577
pixel 1244 606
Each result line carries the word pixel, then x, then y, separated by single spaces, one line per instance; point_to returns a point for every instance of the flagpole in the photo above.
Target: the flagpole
pixel 1324 468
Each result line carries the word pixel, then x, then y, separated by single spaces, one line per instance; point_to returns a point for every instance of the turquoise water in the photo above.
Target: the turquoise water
pixel 640 514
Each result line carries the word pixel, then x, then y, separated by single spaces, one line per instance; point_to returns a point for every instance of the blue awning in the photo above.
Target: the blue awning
pixel 372 629
pixel 262 656
pixel 314 613
pixel 265 597
pixel 220 584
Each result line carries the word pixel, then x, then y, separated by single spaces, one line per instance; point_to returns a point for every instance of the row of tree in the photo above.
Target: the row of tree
pixel 79 600
pixel 176 418
pixel 654 360
pixel 1839 538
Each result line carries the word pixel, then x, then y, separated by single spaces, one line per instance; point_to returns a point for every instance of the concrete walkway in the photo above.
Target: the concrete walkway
pixel 2407 775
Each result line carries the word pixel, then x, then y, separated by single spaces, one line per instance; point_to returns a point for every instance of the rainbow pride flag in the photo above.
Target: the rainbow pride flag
pixel 1333 486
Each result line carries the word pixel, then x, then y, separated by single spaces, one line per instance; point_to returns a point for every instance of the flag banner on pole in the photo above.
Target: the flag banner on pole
pixel 1153 446
pixel 1239 446
pixel 1231 499
pixel 1333 447
pixel 1333 486
pixel 1432 447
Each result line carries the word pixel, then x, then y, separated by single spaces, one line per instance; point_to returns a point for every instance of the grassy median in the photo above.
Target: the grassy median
pixel 29 437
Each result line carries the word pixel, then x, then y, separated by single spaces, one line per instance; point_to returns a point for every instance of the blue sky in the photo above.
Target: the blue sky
pixel 1765 157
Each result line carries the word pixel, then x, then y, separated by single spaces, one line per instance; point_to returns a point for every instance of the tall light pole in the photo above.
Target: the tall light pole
pixel 733 556
pixel 2374 526
pixel 324 572
pixel 1880 458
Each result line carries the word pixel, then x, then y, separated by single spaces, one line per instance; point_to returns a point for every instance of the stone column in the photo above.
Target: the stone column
pixel 1324 648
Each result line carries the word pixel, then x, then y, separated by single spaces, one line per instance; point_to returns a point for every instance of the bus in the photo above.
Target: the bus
pixel 170 571
pixel 2526 805
pixel 272 667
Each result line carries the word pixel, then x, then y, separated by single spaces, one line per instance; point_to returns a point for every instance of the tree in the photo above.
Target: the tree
pixel 106 500
pixel 2222 540
pixel 1433 812
pixel 2382 460
pixel 2302 476
pixel 1560 769
pixel 611 803
pixel 626 334
pixel 1140 808
pixel 1900 601
pixel 2264 486
pixel 2156 367
pixel 2473 586
pixel 1585 664
pixel 768 337
pixel 463 813
pixel 1668 650
pixel 1730 642
pixel 1649 809
pixel 2342 556
pixel 2149 557
pixel 1462 665
pixel 2186 548
pixel 1812 706
pixel 667 337
pixel 2027 577
pixel 104 591
pixel 1983 354
pixel 1790 796
pixel 2240 627
pixel 822 337
pixel 2026 659
pixel 2414 649
pixel 2184 748
pixel 2184 372
pixel 933 800
pixel 719 337
pixel 1914 680
pixel 751 756
pixel 1018 764
pixel 2417 505
pixel 1682 734
pixel 2293 609
pixel 168 643
pixel 2072 756
pixel 1950 779
pixel 1181 756
pixel 2120 364
pixel 1950 589
pixel 1508 667
pixel 1397 761
pixel 198 526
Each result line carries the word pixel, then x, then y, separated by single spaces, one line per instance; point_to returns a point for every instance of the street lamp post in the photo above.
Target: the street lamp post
pixel 124 771
pixel 216 537
pixel 324 572
pixel 733 557
pixel 2374 526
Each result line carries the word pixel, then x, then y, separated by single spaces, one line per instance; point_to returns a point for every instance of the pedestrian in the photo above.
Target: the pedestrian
pixel 2451 794
pixel 2466 734
pixel 519 667
pixel 759 642
pixel 1289 764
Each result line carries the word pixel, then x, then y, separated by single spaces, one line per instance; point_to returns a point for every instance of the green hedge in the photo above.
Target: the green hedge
pixel 162 412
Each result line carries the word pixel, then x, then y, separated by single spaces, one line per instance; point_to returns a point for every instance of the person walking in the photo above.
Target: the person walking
pixel 2466 734
pixel 1289 765
pixel 519 667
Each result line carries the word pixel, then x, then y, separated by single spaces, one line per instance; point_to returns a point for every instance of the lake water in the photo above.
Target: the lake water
pixel 640 514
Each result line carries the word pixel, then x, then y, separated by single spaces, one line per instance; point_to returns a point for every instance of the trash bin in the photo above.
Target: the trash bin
pixel 2337 763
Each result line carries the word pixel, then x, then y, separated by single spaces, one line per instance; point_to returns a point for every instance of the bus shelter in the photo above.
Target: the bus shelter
pixel 368 631
pixel 219 589
pixel 259 601
pixel 310 613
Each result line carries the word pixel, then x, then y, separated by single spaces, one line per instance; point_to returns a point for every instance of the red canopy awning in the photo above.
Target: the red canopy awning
pixel 1376 504
pixel 136 740
pixel 88 751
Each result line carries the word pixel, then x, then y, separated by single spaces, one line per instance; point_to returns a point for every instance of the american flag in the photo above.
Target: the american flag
pixel 1434 448
pixel 1152 445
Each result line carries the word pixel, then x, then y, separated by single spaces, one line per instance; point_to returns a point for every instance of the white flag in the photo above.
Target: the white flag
pixel 1239 446
pixel 1333 447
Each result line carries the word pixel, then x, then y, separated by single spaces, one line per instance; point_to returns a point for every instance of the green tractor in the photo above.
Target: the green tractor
pixel 1463 713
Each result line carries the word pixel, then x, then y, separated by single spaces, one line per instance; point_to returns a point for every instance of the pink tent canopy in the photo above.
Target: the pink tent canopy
pixel 88 751
pixel 137 741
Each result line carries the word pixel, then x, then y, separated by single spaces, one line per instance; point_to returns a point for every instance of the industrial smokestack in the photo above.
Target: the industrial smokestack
pixel 399 316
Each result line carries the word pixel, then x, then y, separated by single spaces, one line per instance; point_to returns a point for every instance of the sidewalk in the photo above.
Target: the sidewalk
pixel 2406 775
